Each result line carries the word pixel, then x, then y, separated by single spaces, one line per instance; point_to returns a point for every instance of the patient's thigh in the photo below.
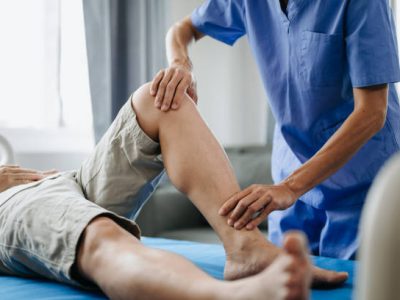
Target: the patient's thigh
pixel 123 162
pixel 40 228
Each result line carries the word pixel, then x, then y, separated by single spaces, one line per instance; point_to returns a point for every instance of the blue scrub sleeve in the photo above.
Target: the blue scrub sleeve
pixel 221 19
pixel 371 43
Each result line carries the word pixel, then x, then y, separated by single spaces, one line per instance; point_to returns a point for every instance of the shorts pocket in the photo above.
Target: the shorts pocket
pixel 322 59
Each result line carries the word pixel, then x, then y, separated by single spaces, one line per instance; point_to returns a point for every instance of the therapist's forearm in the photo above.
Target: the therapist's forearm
pixel 170 85
pixel 178 40
pixel 367 119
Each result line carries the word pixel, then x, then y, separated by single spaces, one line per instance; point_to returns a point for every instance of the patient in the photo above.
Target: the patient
pixel 73 227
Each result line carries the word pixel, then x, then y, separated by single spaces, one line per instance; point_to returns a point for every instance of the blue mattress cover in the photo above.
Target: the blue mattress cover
pixel 208 257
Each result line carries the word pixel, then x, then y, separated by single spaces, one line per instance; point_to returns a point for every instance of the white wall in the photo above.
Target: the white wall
pixel 231 96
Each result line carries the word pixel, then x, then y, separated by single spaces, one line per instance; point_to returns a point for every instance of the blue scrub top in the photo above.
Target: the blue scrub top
pixel 310 58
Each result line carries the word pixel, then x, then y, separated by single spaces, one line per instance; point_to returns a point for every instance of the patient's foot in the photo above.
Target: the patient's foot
pixel 253 256
pixel 249 257
pixel 288 277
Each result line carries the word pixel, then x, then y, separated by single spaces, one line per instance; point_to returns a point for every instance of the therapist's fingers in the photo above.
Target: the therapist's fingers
pixel 264 214
pixel 162 86
pixel 257 207
pixel 231 203
pixel 192 92
pixel 170 92
pixel 257 221
pixel 241 208
pixel 156 81
pixel 180 92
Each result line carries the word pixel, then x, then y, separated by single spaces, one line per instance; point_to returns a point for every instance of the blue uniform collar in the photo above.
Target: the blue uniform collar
pixel 292 9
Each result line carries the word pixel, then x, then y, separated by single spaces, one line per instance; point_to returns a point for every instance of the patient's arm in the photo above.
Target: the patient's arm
pixel 198 166
pixel 11 176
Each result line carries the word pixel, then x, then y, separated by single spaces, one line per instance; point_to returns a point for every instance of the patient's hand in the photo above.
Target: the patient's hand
pixel 170 85
pixel 251 206
pixel 11 176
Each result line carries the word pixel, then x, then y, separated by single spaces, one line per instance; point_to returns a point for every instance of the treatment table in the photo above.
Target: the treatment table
pixel 209 257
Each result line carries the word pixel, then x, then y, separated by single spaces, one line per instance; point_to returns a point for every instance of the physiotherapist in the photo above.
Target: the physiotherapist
pixel 328 68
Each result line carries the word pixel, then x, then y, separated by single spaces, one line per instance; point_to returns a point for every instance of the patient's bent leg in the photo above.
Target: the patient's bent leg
pixel 198 166
pixel 125 269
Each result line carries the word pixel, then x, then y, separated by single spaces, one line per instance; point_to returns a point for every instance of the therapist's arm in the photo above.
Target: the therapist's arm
pixel 368 117
pixel 170 84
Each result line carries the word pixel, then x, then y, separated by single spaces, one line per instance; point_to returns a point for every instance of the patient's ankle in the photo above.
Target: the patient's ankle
pixel 244 240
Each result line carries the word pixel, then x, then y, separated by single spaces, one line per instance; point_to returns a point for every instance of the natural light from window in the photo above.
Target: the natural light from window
pixel 43 74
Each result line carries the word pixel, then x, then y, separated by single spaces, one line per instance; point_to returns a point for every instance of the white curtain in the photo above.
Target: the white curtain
pixel 125 45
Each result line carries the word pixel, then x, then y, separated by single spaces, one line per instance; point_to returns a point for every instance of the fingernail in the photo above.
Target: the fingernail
pixel 230 222
pixel 164 107
pixel 152 92
pixel 220 212
pixel 249 227
pixel 174 106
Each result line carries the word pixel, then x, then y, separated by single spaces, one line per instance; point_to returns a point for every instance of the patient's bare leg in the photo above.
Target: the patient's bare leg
pixel 125 269
pixel 197 165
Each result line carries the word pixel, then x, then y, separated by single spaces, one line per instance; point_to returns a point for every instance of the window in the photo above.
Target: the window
pixel 43 74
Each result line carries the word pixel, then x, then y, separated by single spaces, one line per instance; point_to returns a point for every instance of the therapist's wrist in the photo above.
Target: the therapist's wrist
pixel 184 63
pixel 294 186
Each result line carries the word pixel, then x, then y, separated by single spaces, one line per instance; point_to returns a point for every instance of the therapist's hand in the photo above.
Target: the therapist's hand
pixel 11 176
pixel 251 206
pixel 170 85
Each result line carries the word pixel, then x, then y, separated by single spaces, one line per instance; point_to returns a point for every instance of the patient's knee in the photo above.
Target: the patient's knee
pixel 148 116
pixel 143 101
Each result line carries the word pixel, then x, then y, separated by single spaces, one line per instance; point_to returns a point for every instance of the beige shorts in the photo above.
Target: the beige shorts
pixel 40 225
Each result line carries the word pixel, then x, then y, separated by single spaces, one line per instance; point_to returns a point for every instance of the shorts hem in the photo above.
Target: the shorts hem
pixel 70 257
